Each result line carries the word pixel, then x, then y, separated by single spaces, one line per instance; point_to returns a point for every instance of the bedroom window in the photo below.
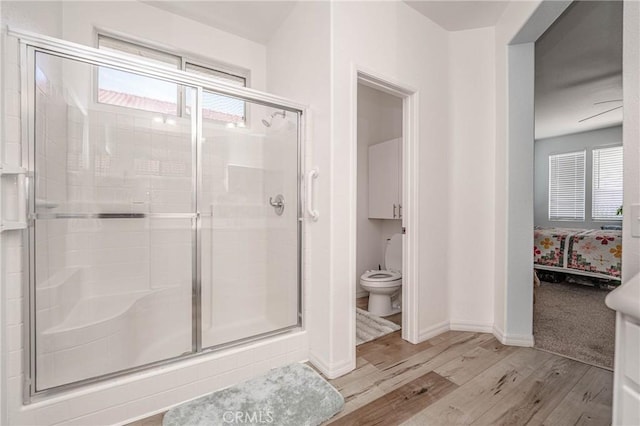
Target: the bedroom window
pixel 607 183
pixel 130 90
pixel 567 186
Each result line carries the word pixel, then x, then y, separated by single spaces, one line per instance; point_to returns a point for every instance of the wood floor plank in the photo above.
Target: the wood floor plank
pixel 468 365
pixel 538 395
pixel 477 396
pixel 588 403
pixel 400 404
pixel 406 370
pixel 362 385
pixel 386 350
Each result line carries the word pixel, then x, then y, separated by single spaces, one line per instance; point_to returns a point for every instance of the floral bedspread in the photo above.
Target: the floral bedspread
pixel 588 250
pixel 549 246
pixel 596 251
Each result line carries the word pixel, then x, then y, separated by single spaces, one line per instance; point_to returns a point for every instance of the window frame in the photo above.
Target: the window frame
pixel 551 218
pixel 601 147
pixel 184 59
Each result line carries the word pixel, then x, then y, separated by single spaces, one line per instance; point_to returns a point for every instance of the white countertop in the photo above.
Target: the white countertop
pixel 626 298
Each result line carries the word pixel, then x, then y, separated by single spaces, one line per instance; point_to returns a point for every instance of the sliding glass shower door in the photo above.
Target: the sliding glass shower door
pixel 250 209
pixel 165 219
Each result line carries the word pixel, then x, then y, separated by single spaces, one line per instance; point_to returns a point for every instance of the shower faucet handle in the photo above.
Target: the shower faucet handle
pixel 277 204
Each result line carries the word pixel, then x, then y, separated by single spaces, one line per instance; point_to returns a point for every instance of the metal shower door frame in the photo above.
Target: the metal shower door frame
pixel 30 44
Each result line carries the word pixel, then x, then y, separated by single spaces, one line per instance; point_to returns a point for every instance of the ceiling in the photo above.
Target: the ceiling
pixel 578 59
pixel 254 20
pixel 259 20
pixel 461 15
pixel 578 64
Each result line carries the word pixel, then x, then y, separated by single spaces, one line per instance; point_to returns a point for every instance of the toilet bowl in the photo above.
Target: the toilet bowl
pixel 384 286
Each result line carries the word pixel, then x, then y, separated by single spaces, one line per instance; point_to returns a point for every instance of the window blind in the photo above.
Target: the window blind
pixel 220 107
pixel 567 186
pixel 607 183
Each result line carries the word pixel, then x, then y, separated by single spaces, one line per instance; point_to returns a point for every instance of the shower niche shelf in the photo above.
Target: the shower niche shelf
pixel 12 225
pixel 6 170
pixel 13 195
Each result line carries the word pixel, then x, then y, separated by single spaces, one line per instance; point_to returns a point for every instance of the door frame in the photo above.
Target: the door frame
pixel 410 187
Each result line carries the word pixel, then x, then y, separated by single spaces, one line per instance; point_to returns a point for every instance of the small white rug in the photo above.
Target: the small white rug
pixel 369 327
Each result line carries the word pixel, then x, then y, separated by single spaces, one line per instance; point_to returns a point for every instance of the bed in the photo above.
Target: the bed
pixel 588 252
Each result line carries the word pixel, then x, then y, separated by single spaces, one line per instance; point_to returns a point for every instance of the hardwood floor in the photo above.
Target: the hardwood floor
pixel 464 378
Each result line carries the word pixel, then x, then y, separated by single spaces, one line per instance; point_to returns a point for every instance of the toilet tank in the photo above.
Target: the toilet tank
pixel 393 253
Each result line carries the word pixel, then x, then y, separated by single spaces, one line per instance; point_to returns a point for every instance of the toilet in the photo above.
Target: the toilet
pixel 384 286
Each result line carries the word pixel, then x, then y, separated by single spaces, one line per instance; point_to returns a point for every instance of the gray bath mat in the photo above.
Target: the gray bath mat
pixel 369 326
pixel 291 395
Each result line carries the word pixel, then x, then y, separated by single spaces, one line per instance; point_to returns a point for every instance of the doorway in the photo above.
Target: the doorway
pixel 578 181
pixel 514 290
pixel 379 214
pixel 405 225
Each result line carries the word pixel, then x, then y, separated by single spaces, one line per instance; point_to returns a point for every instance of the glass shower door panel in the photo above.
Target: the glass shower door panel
pixel 93 155
pixel 249 228
pixel 110 294
pixel 113 237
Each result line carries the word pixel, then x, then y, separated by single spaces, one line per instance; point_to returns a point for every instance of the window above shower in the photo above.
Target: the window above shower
pixel 125 89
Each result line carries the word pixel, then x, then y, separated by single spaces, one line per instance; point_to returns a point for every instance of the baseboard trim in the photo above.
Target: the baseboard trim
pixel 478 327
pixel 332 371
pixel 524 340
pixel 361 293
pixel 433 331
pixel 498 333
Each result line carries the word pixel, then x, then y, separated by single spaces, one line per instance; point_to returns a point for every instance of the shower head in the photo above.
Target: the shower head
pixel 268 122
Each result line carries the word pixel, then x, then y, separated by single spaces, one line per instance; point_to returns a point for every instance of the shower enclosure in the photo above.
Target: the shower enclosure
pixel 164 214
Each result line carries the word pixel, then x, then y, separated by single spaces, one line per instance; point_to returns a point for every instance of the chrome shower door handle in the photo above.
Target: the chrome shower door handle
pixel 277 204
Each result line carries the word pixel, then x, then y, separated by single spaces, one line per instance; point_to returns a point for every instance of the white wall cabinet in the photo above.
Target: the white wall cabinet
pixel 385 180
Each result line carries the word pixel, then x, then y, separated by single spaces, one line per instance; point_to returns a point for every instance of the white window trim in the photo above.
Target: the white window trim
pixel 185 57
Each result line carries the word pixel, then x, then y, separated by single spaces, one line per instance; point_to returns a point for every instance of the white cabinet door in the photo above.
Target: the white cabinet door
pixel 385 185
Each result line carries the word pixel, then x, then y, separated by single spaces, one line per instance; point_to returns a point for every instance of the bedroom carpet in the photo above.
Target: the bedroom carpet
pixel 573 320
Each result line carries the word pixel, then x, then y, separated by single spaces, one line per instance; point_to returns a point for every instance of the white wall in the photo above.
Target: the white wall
pixel 510 23
pixel 397 42
pixel 379 120
pixel 575 142
pixel 472 174
pixel 299 67
pixel 631 136
pixel 165 30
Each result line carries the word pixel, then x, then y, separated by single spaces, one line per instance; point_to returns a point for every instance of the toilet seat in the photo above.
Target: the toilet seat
pixel 383 276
